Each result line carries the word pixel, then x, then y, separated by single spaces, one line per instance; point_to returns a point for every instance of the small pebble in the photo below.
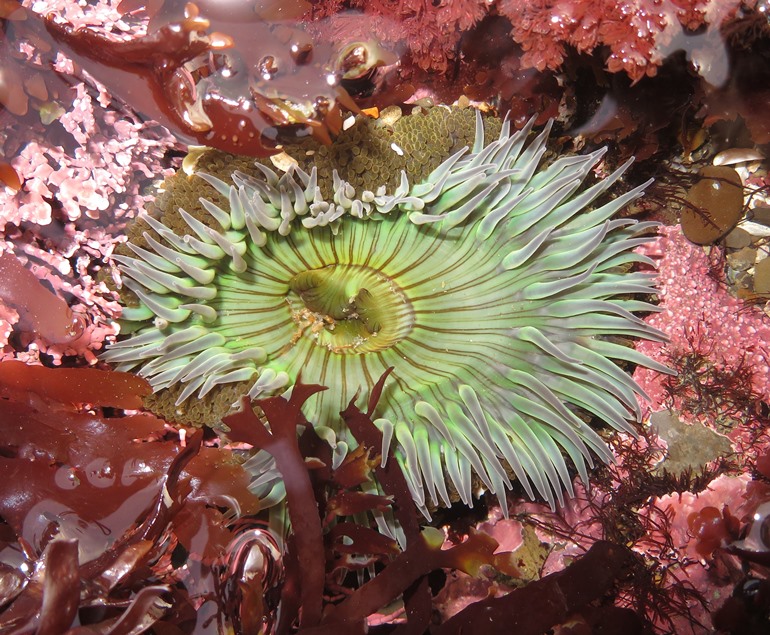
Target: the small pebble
pixel 742 259
pixel 762 276
pixel 761 215
pixel 738 155
pixel 738 238
pixel 717 199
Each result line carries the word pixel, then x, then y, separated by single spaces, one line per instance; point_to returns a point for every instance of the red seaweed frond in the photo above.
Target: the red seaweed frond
pixel 106 509
pixel 41 312
pixel 282 442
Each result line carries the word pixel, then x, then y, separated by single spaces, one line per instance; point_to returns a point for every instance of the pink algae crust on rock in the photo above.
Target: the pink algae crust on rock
pixel 696 307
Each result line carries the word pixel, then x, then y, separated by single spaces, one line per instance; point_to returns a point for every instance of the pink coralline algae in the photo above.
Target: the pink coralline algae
pixel 99 13
pixel 100 163
pixel 430 32
pixel 86 167
pixel 697 310
pixel 705 528
pixel 73 151
pixel 639 34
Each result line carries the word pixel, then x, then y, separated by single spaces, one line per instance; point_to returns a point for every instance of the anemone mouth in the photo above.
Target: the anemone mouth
pixel 349 309
pixel 495 289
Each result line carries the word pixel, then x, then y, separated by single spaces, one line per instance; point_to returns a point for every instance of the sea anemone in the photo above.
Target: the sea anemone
pixel 500 291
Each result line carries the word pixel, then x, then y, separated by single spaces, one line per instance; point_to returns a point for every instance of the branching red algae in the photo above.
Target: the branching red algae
pixel 51 604
pixel 417 598
pixel 423 555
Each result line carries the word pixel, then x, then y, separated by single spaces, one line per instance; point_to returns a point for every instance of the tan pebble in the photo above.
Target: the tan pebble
pixel 283 161
pixel 742 259
pixel 390 115
pixel 743 280
pixel 737 155
pixel 717 205
pixel 762 276
pixel 761 215
pixel 191 159
pixel 738 238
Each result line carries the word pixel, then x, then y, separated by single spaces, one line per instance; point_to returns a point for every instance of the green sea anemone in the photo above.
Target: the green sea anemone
pixel 501 292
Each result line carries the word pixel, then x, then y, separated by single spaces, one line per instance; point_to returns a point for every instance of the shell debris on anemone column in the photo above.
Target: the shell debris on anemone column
pixel 499 288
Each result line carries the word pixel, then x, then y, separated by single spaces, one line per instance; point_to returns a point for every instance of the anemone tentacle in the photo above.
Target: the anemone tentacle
pixel 495 287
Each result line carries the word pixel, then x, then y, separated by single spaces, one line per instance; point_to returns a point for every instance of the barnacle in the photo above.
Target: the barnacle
pixel 499 291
